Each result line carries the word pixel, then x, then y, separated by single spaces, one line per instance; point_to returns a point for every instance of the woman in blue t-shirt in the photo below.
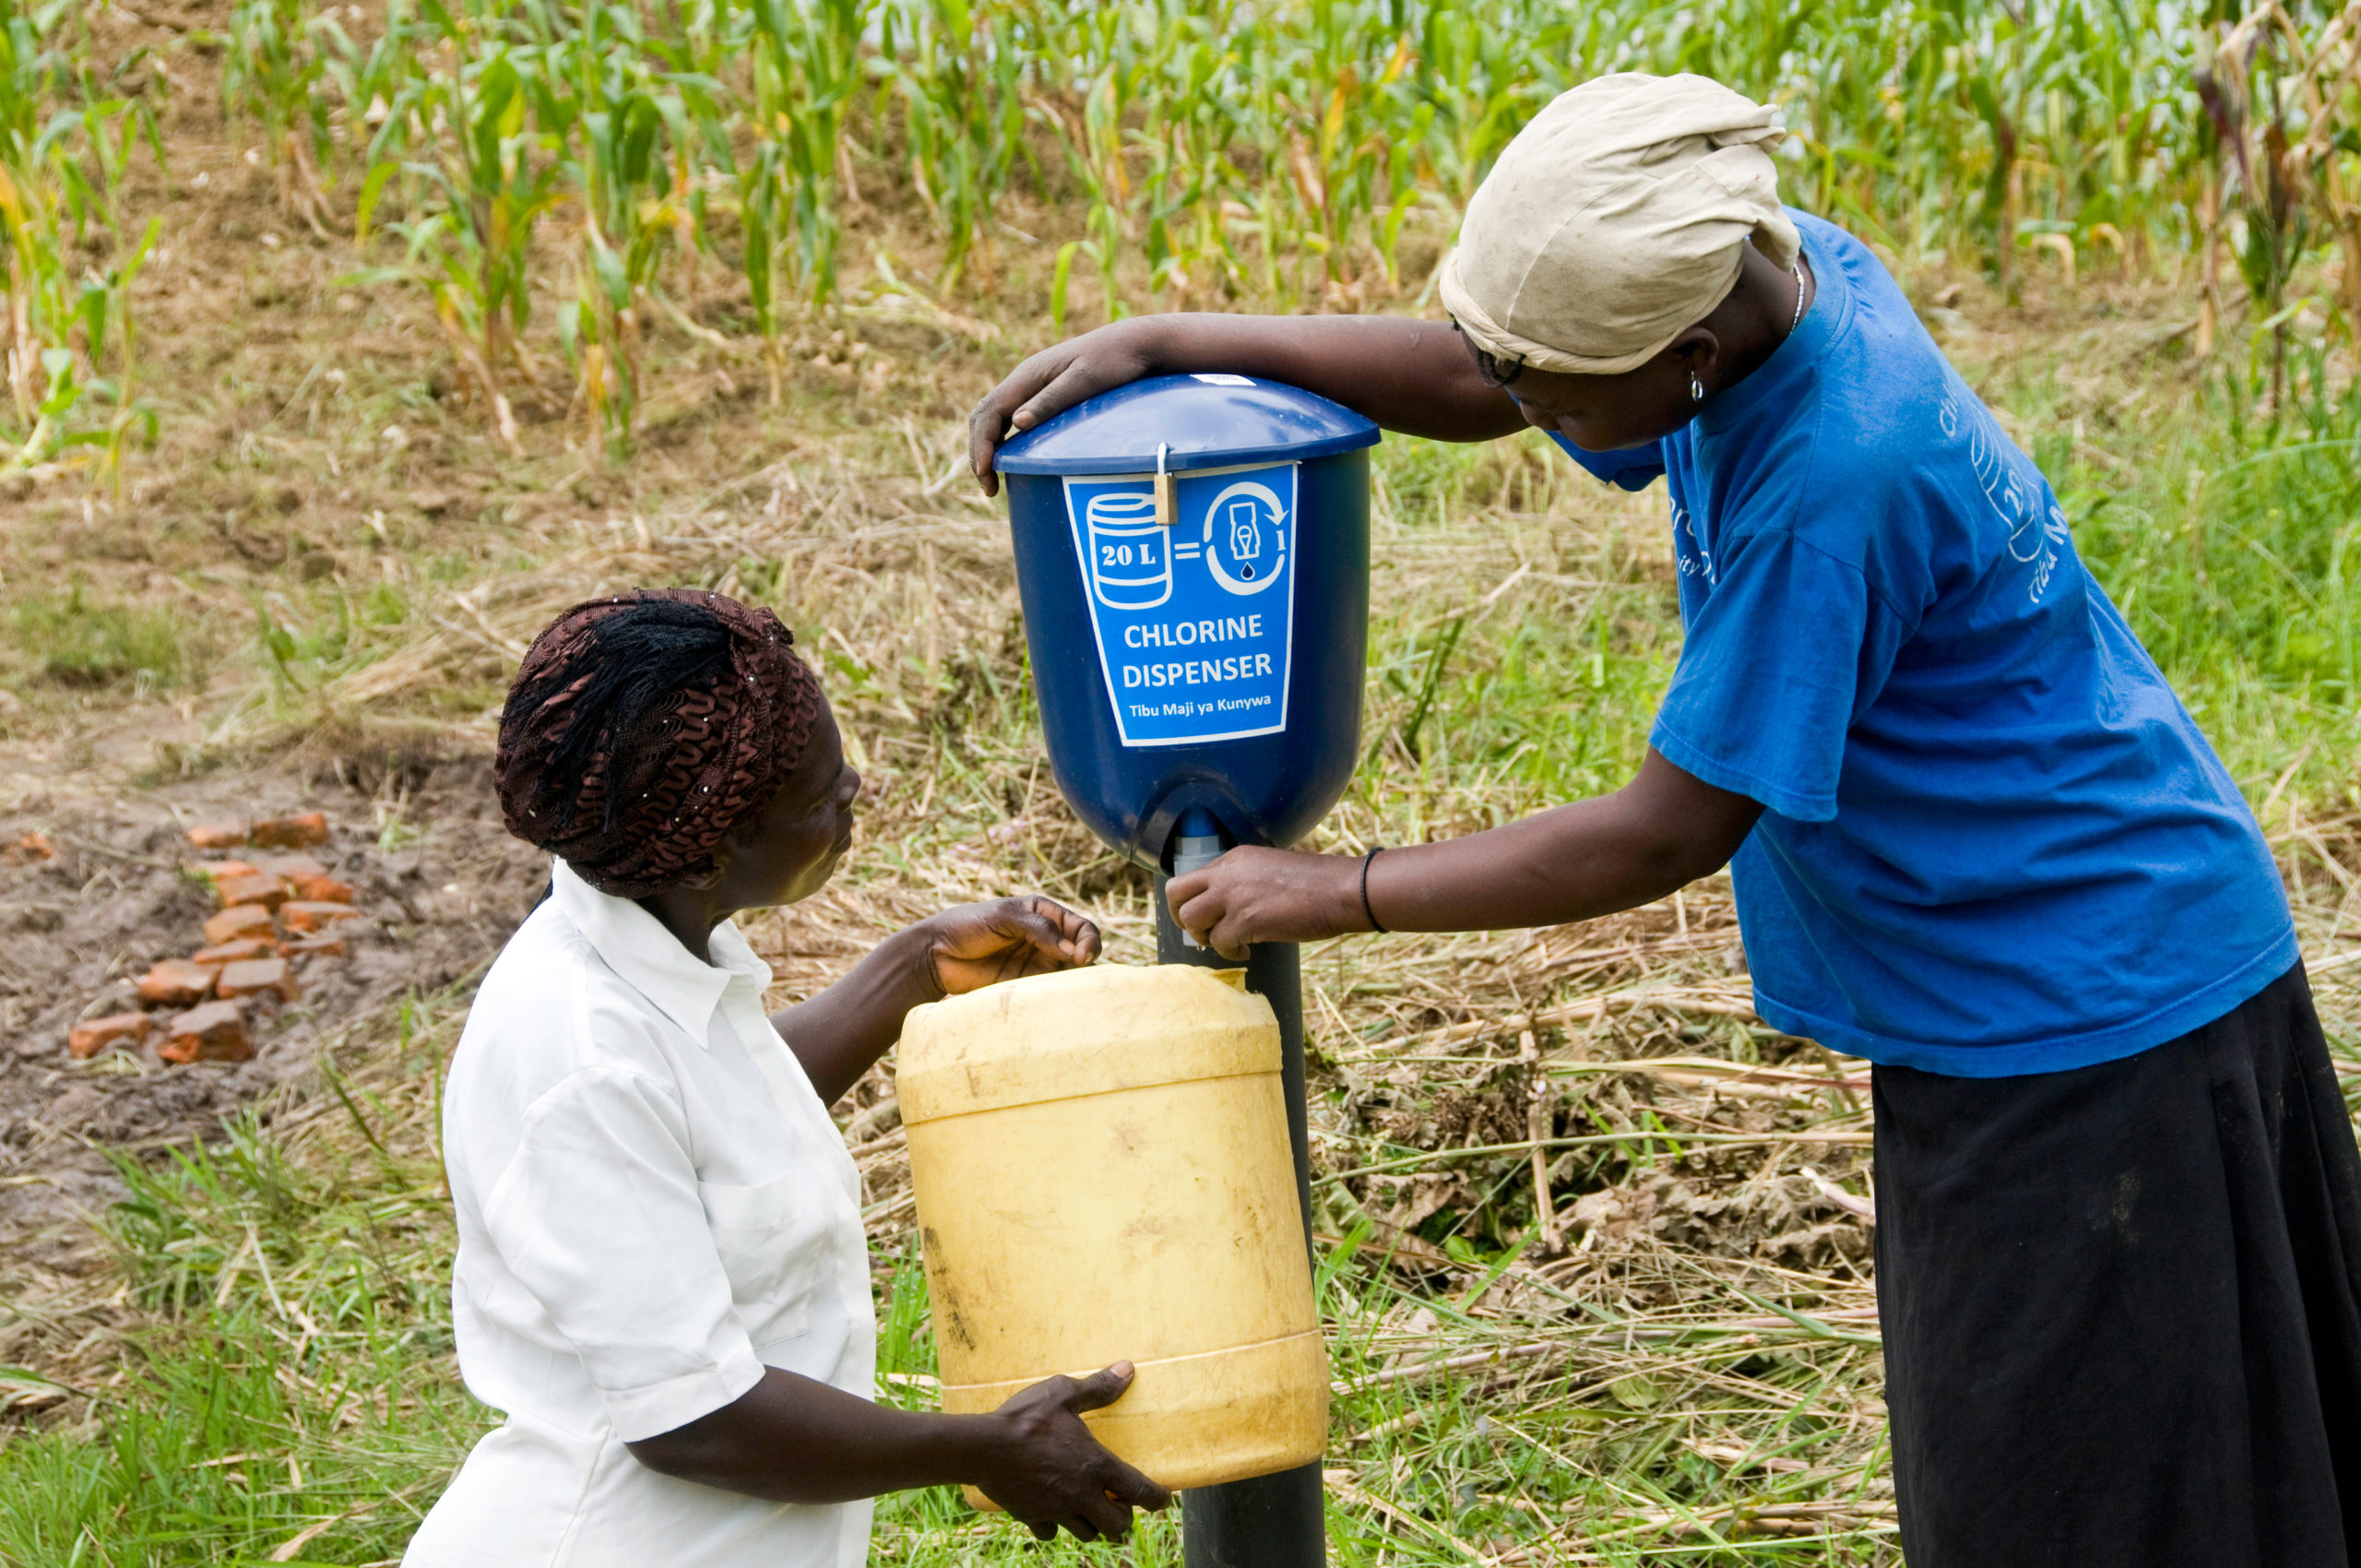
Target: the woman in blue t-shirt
pixel 1975 838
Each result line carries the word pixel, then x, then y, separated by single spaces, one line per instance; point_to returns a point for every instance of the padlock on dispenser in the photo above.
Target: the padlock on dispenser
pixel 1168 501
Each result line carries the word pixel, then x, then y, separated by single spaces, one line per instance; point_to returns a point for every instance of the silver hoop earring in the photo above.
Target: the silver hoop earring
pixel 1696 389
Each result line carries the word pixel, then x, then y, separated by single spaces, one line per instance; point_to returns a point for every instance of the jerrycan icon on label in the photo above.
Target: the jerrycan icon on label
pixel 1131 560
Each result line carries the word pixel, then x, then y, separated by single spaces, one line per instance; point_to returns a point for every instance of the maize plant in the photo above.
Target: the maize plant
pixel 1220 148
pixel 957 75
pixel 521 113
pixel 2283 105
pixel 364 85
pixel 71 345
pixel 277 71
pixel 633 172
pixel 490 136
pixel 805 69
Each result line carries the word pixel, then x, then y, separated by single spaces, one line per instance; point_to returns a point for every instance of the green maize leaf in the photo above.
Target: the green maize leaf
pixel 612 277
pixel 635 156
pixel 63 124
pixel 371 188
pixel 570 329
pixel 1060 278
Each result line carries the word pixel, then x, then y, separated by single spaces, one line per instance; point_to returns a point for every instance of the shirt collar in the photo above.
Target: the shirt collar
pixel 637 947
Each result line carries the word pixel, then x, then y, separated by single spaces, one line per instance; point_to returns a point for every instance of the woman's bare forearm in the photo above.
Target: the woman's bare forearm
pixel 1573 862
pixel 1412 377
pixel 1656 834
pixel 793 1439
pixel 837 1034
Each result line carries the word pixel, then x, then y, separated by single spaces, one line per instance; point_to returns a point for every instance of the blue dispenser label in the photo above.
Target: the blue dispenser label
pixel 1192 621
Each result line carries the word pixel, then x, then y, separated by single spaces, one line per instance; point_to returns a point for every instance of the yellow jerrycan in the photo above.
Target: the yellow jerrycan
pixel 1103 1174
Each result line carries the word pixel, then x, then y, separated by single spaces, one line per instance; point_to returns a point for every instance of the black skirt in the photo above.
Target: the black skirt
pixel 2122 1305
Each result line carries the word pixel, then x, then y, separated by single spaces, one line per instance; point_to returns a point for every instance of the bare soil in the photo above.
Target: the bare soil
pixel 440 887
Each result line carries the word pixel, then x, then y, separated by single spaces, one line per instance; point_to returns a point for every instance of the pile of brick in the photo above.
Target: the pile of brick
pixel 278 910
pixel 29 849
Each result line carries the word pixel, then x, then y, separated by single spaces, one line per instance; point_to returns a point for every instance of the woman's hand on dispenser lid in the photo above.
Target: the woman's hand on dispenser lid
pixel 1052 381
pixel 1257 895
pixel 1049 1472
pixel 974 945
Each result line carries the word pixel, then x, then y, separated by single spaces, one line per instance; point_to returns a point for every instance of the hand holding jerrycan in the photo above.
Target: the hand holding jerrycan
pixel 1113 1162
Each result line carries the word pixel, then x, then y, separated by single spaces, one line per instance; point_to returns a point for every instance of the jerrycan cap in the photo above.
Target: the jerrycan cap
pixel 1207 419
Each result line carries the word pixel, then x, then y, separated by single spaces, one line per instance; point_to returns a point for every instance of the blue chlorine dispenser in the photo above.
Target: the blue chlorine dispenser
pixel 1193 553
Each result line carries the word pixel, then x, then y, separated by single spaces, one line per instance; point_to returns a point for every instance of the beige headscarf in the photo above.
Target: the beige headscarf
pixel 1614 222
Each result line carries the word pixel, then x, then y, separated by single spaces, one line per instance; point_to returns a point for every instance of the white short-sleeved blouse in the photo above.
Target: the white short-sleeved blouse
pixel 653 1206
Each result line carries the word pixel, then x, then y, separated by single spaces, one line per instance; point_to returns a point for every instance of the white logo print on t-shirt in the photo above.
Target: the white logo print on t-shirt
pixel 1688 550
pixel 2036 523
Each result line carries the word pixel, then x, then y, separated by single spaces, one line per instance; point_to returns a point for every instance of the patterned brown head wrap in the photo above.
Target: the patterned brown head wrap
pixel 642 728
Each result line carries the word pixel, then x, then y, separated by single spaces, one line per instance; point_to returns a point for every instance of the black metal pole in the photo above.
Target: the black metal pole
pixel 1273 1521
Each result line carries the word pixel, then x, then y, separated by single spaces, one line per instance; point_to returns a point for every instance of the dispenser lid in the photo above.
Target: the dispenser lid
pixel 1204 420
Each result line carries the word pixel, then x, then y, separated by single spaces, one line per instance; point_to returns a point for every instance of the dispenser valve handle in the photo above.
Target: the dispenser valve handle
pixel 1198 840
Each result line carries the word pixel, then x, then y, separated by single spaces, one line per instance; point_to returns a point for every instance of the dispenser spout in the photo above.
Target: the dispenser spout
pixel 1197 840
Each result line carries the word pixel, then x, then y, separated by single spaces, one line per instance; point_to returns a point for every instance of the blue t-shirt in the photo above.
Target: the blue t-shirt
pixel 1994 842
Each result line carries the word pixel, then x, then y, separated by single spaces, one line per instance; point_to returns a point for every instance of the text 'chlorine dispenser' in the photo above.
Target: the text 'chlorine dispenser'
pixel 1192 553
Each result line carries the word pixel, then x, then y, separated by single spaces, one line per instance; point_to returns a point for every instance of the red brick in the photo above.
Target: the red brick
pixel 256 977
pixel 320 889
pixel 304 915
pixel 328 945
pixel 216 871
pixel 218 834
pixel 215 1032
pixel 289 867
pixel 291 832
pixel 175 982
pixel 92 1036
pixel 234 952
pixel 252 888
pixel 30 848
pixel 245 919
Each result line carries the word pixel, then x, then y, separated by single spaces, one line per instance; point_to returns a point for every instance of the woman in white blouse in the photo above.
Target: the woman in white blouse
pixel 661 1278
